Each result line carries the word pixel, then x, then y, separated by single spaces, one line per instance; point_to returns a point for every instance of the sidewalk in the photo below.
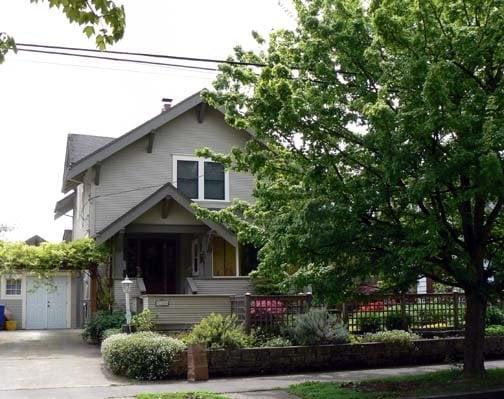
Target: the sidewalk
pixel 240 388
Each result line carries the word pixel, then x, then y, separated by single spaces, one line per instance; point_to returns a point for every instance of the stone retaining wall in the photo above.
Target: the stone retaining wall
pixel 256 361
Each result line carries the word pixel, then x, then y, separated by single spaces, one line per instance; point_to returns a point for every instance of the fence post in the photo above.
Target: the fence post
pixel 309 298
pixel 344 314
pixel 403 312
pixel 248 301
pixel 456 321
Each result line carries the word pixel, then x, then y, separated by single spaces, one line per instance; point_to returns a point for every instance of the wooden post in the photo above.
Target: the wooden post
pixel 344 314
pixel 309 299
pixel 93 287
pixel 248 302
pixel 456 320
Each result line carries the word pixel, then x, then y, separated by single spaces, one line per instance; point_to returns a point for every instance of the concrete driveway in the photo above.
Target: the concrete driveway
pixel 50 359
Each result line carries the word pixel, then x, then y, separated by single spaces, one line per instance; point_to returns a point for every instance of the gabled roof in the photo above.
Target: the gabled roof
pixel 110 147
pixel 114 145
pixel 78 147
pixel 166 191
pixel 36 240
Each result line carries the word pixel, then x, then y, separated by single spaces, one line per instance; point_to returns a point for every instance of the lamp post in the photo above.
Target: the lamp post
pixel 126 287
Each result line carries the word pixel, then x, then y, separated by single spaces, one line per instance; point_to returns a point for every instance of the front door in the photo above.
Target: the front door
pixel 158 260
pixel 46 304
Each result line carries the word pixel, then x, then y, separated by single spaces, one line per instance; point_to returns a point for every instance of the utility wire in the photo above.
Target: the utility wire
pixel 153 55
pixel 200 68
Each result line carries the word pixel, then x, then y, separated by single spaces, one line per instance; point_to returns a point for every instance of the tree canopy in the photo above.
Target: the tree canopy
pixel 102 19
pixel 47 258
pixel 379 147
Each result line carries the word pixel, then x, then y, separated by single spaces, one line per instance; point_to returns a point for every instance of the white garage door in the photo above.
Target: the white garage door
pixel 46 305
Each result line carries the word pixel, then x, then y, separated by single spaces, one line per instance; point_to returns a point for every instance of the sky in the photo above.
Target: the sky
pixel 45 97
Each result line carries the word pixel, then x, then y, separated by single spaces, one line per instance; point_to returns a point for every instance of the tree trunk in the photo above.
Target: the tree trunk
pixel 474 364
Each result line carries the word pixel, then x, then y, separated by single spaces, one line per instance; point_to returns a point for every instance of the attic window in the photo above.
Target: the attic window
pixel 200 179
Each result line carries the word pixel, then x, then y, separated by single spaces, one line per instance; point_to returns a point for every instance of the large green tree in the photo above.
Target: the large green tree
pixel 102 19
pixel 379 147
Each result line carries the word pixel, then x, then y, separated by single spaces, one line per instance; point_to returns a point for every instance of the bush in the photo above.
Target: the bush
pixel 142 356
pixel 426 316
pixel 217 331
pixel 495 331
pixel 111 331
pixel 144 321
pixel 400 337
pixel 276 342
pixel 317 327
pixel 101 321
pixel 369 323
pixel 395 321
pixel 494 316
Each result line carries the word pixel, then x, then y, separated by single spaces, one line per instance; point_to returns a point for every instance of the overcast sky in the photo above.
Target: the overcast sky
pixel 44 97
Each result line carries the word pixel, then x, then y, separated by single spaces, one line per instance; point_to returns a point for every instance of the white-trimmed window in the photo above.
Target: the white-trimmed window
pixel 195 257
pixel 200 179
pixel 12 287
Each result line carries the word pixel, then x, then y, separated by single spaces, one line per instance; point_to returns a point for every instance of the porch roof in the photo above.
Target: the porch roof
pixel 167 191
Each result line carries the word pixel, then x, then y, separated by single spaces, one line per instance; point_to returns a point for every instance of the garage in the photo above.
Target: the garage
pixel 47 306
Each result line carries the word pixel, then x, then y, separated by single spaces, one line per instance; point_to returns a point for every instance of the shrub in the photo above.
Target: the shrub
pixel 395 321
pixel 369 323
pixel 111 331
pixel 426 316
pixel 494 316
pixel 317 327
pixel 218 331
pixel 400 337
pixel 144 321
pixel 495 331
pixel 276 342
pixel 101 321
pixel 142 356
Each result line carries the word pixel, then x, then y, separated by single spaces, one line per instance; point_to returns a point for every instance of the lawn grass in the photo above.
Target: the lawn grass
pixel 441 382
pixel 182 395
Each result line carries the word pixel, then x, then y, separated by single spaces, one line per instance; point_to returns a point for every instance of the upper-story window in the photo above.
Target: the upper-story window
pixel 200 179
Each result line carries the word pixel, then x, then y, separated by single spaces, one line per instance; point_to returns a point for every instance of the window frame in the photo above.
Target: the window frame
pixel 3 287
pixel 201 177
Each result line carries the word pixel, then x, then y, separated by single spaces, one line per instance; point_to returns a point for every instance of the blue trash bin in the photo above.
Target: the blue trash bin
pixel 2 316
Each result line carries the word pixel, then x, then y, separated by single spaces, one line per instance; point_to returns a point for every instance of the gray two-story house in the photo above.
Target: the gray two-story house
pixel 135 193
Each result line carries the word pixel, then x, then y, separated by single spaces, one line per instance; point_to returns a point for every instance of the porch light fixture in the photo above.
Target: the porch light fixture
pixel 126 287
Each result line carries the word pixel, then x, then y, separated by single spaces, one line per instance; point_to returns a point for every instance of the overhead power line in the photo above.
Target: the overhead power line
pixel 137 54
pixel 195 67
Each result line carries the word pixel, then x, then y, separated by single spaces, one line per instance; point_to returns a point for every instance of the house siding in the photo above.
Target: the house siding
pixel 133 168
pixel 228 286
pixel 16 307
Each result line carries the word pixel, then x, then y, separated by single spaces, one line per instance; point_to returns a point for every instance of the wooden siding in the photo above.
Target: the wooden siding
pixel 176 216
pixel 185 310
pixel 135 168
pixel 228 286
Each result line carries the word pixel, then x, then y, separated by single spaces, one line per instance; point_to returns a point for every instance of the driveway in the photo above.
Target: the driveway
pixel 50 359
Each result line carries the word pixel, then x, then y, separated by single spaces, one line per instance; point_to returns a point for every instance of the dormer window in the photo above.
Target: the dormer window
pixel 200 179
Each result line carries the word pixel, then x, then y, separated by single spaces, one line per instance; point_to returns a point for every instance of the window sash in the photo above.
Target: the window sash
pixel 187 178
pixel 13 287
pixel 214 181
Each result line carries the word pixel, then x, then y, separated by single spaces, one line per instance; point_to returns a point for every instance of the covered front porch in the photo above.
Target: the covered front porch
pixel 181 277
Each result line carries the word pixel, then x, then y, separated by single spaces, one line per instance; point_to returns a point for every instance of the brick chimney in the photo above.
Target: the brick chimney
pixel 166 104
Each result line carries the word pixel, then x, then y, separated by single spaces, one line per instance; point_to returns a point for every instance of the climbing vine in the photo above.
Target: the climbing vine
pixel 48 258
